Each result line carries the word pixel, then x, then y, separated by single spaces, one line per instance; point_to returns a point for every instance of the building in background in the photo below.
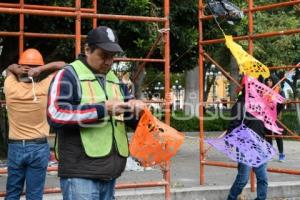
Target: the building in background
pixel 219 92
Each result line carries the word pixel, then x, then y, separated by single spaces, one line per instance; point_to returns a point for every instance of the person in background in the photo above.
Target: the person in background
pixel 26 101
pixel 270 83
pixel 89 109
pixel 239 116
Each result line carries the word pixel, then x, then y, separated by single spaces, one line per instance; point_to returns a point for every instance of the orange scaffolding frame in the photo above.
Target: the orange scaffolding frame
pixel 78 13
pixel 203 55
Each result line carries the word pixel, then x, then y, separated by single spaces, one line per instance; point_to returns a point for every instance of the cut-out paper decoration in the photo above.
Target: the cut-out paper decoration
pixel 243 145
pixel 261 101
pixel 153 141
pixel 248 64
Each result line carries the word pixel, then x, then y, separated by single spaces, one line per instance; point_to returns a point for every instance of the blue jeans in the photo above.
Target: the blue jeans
pixel 27 161
pixel 87 189
pixel 243 177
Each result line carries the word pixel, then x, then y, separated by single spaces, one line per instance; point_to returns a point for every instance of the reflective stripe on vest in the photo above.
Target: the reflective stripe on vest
pixel 97 139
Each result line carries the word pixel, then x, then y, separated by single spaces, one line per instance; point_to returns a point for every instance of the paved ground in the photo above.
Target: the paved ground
pixel 185 168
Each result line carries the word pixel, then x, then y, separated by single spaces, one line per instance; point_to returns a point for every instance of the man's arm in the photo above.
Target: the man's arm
pixel 34 71
pixel 64 108
pixel 49 68
pixel 63 103
pixel 17 70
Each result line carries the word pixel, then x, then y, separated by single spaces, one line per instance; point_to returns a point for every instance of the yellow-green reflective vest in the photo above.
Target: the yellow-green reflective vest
pixel 97 139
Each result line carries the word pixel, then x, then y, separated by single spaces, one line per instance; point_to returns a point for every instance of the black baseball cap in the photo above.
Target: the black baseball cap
pixel 104 38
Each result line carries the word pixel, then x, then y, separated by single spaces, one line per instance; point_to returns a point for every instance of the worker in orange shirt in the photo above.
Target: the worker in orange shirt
pixel 26 93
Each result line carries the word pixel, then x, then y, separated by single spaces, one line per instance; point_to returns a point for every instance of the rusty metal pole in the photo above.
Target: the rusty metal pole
pixel 166 33
pixel 21 26
pixel 41 7
pixel 83 15
pixel 254 36
pixel 95 12
pixel 224 72
pixel 287 67
pixel 201 89
pixel 77 28
pixel 250 27
pixel 142 65
pixel 250 50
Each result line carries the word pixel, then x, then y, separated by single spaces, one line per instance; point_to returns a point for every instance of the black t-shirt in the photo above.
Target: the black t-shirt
pixel 238 113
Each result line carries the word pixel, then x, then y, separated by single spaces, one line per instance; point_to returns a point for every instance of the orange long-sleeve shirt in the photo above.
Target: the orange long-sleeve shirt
pixel 27 118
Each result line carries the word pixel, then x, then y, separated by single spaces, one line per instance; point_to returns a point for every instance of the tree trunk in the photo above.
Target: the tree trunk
pixel 234 72
pixel 296 93
pixel 191 100
pixel 137 89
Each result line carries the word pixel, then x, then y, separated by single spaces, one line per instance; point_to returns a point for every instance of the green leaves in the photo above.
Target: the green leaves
pixel 279 50
pixel 183 34
pixel 137 37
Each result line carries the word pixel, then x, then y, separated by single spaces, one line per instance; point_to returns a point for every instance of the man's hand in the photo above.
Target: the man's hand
pixel 137 106
pixel 116 108
pixel 18 70
pixel 34 72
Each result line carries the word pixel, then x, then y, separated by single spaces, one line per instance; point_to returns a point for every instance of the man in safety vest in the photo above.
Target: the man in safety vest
pixel 88 108
pixel 26 88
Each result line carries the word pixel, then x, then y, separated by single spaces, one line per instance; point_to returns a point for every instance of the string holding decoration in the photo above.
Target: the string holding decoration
pixel 248 65
pixel 261 101
pixel 154 142
pixel 243 145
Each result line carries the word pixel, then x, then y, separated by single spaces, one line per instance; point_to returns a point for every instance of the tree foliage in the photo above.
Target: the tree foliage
pixel 137 37
pixel 183 34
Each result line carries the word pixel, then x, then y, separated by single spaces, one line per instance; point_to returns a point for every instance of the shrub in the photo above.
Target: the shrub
pixel 289 118
pixel 182 122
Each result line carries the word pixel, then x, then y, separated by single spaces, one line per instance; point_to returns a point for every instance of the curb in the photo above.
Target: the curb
pixel 276 190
